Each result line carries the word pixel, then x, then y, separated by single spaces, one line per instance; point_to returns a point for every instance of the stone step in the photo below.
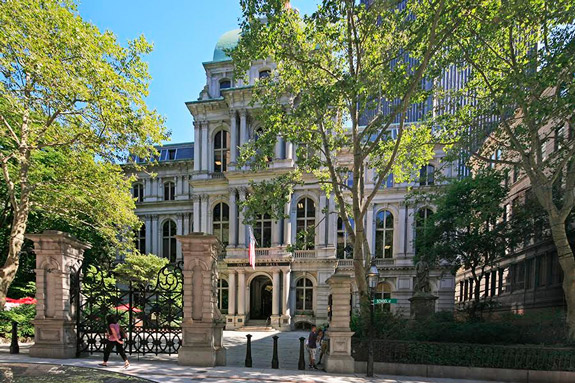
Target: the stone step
pixel 254 328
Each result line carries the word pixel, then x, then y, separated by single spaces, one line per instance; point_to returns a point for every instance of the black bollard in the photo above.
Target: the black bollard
pixel 14 348
pixel 301 363
pixel 275 360
pixel 249 351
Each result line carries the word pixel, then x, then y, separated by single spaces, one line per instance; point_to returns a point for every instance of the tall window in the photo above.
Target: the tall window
pixel 426 175
pixel 169 240
pixel 421 221
pixel 141 239
pixel 342 249
pixel 169 191
pixel 306 223
pixel 223 295
pixel 304 295
pixel 225 84
pixel 221 151
pixel 221 222
pixel 263 231
pixel 384 292
pixel 138 192
pixel 384 234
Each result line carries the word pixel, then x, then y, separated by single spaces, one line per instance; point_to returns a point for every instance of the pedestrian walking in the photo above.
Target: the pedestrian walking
pixel 312 347
pixel 115 338
pixel 322 343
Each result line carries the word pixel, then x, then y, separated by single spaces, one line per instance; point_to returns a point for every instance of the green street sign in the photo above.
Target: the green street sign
pixel 384 301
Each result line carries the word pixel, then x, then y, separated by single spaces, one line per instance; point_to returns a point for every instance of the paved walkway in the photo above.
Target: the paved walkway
pixel 165 369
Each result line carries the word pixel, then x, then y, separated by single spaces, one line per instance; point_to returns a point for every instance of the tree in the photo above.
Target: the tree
pixel 522 75
pixel 469 229
pixel 71 107
pixel 334 68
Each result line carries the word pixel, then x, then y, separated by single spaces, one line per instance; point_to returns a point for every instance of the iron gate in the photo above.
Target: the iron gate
pixel 150 313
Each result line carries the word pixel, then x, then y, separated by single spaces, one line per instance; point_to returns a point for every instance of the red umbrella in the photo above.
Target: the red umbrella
pixel 22 301
pixel 125 307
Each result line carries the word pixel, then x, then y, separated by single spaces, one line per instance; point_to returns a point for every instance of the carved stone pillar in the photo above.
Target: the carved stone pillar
pixel 58 255
pixel 204 216
pixel 233 219
pixel 234 140
pixel 286 312
pixel 197 140
pixel 241 225
pixel 241 317
pixel 197 214
pixel 232 292
pixel 275 318
pixel 340 359
pixel 202 322
pixel 205 148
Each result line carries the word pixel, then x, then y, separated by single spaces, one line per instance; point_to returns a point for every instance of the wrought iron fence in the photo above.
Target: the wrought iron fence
pixel 469 355
pixel 150 313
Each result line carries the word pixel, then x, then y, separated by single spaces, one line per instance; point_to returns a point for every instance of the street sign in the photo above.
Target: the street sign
pixel 384 301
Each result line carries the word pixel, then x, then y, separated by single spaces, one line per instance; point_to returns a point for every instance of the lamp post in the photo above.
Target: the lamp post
pixel 372 279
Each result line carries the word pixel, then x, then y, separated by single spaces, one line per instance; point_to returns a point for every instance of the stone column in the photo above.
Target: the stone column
pixel 202 322
pixel 275 319
pixel 204 216
pixel 241 316
pixel 275 233
pixel 369 225
pixel 233 218
pixel 231 320
pixel 241 226
pixel 155 235
pixel 322 240
pixel 332 220
pixel 197 214
pixel 148 220
pixel 234 140
pixel 278 148
pixel 58 255
pixel 340 359
pixel 286 312
pixel 243 128
pixel 205 147
pixel 287 226
pixel 289 150
pixel 197 146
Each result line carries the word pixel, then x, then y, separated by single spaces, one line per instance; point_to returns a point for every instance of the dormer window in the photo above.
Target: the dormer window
pixel 171 154
pixel 265 73
pixel 225 84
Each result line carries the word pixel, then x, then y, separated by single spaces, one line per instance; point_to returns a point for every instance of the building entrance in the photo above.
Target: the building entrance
pixel 261 298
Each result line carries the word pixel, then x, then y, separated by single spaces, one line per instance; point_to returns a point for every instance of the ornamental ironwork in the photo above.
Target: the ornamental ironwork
pixel 150 312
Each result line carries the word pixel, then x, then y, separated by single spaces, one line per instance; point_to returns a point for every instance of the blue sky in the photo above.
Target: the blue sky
pixel 184 33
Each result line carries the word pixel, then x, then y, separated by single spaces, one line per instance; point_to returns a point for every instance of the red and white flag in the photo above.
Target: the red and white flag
pixel 252 249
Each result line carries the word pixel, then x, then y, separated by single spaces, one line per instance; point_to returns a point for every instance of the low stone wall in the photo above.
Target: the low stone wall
pixel 477 373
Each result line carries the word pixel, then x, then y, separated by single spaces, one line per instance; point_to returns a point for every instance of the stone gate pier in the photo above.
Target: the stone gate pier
pixel 58 256
pixel 202 323
pixel 340 359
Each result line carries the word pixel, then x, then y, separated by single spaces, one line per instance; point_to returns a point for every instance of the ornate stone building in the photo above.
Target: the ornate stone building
pixel 198 187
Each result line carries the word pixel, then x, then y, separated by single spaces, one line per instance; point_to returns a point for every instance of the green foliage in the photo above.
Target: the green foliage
pixel 72 106
pixel 140 268
pixel 23 315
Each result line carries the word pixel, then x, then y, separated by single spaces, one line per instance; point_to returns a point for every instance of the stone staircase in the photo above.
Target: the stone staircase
pixel 255 325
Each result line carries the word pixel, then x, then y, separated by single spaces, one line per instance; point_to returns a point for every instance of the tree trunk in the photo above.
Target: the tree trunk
pixel 567 262
pixel 359 271
pixel 8 271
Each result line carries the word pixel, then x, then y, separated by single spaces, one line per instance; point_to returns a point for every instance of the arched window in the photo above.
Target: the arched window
pixel 421 221
pixel 426 175
pixel 138 192
pixel 223 295
pixel 141 239
pixel 263 231
pixel 384 234
pixel 225 84
pixel 265 73
pixel 169 240
pixel 343 248
pixel 221 222
pixel 305 229
pixel 304 295
pixel 221 151
pixel 383 291
pixel 169 191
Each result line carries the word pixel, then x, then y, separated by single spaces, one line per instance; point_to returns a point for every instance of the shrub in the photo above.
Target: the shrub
pixel 23 315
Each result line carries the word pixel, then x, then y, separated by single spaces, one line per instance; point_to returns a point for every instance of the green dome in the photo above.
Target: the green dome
pixel 228 40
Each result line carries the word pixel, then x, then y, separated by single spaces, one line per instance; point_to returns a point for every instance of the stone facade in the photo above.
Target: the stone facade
pixel 198 188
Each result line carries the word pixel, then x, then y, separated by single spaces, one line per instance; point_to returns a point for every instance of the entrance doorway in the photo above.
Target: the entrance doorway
pixel 261 298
